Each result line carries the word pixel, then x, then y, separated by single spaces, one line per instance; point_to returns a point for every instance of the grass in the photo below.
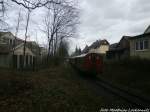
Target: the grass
pixel 133 74
pixel 57 89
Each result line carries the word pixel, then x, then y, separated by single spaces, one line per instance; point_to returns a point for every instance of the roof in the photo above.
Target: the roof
pixel 22 45
pixel 125 37
pixel 33 43
pixel 28 42
pixel 140 36
pixel 97 43
pixel 2 33
pixel 147 29
pixel 146 33
pixel 86 49
pixel 9 35
pixel 79 56
pixel 113 46
pixel 104 42
pixel 83 55
pixel 94 45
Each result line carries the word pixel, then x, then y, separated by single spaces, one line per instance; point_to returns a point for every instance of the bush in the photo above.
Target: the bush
pixel 135 63
pixel 14 85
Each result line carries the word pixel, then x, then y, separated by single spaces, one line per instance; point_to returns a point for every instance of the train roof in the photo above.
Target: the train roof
pixel 83 55
pixel 80 56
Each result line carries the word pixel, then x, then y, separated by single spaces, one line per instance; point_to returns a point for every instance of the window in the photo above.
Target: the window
pixel 11 42
pixel 30 60
pixel 142 45
pixel 137 46
pixel 27 60
pixel 14 42
pixel 146 46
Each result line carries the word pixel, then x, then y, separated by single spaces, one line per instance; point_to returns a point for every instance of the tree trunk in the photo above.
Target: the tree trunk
pixel 26 31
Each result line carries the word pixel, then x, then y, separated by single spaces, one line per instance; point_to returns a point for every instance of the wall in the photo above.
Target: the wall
pixel 19 51
pixel 124 43
pixel 142 53
pixel 102 49
pixel 4 60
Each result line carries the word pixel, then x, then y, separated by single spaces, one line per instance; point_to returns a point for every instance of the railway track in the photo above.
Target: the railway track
pixel 133 98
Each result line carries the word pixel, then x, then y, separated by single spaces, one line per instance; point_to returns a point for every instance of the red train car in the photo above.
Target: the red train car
pixel 91 63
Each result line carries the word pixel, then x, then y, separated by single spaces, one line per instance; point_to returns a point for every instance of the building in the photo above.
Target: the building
pixel 11 52
pixel 99 46
pixel 43 51
pixel 140 45
pixel 17 57
pixel 120 50
pixel 9 39
pixel 4 56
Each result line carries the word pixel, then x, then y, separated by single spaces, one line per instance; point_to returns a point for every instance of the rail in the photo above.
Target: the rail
pixel 133 98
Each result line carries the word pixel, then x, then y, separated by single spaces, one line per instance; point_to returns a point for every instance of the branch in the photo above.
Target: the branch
pixel 34 5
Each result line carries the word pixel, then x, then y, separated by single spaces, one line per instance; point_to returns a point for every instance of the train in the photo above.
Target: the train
pixel 89 63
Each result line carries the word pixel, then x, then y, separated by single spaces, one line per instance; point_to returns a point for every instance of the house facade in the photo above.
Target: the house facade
pixel 120 50
pixel 18 59
pixel 9 39
pixel 4 56
pixel 12 55
pixel 100 46
pixel 140 46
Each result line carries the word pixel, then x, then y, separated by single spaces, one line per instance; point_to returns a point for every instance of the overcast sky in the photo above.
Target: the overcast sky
pixel 111 19
pixel 99 19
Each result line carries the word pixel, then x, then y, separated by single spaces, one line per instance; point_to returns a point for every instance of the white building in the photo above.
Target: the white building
pixel 101 47
pixel 11 55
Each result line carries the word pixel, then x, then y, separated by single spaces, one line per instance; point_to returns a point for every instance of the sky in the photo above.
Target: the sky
pixel 111 19
pixel 99 19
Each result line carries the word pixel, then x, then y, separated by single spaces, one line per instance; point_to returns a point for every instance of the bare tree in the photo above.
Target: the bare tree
pixel 63 49
pixel 59 23
pixel 3 24
pixel 18 23
pixel 2 8
pixel 16 32
pixel 30 5
pixel 26 32
pixel 33 4
pixel 19 19
pixel 66 23
pixel 47 29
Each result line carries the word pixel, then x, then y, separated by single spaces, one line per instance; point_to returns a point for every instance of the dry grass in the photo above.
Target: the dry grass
pixel 56 89
pixel 133 74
